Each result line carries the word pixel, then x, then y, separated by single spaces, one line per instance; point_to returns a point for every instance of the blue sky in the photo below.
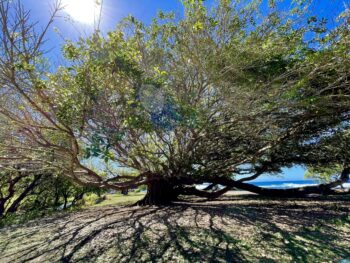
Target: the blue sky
pixel 144 10
pixel 112 12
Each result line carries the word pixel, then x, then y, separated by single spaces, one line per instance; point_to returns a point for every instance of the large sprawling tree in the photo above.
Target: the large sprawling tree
pixel 221 95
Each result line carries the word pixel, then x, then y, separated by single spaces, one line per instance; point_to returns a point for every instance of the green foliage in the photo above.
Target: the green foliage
pixel 227 57
pixel 323 174
pixel 36 194
pixel 197 97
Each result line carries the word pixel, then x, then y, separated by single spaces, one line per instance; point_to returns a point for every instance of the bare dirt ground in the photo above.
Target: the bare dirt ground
pixel 231 229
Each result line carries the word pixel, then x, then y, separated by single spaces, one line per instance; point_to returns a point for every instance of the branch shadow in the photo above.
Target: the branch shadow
pixel 233 229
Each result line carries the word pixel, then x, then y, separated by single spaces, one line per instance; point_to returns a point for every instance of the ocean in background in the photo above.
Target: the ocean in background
pixel 282 184
pixel 290 184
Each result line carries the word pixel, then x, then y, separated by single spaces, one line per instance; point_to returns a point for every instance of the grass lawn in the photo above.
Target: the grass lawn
pixel 119 199
pixel 230 229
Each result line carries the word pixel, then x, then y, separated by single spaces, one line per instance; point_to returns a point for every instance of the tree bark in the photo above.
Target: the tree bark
pixel 204 193
pixel 164 192
pixel 159 192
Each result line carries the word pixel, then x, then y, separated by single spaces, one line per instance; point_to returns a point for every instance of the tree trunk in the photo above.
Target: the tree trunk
pixel 159 192
pixel 65 201
pixel 2 207
pixel 125 191
pixel 57 196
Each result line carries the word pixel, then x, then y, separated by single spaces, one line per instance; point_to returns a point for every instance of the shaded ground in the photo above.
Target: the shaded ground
pixel 232 229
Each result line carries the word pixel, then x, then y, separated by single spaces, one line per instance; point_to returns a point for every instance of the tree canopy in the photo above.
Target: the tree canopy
pixel 221 95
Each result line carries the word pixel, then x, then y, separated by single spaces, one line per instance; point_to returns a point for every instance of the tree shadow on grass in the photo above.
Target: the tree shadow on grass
pixel 233 229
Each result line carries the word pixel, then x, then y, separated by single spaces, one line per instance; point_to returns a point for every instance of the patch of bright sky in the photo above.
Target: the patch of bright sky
pixel 83 11
pixel 114 10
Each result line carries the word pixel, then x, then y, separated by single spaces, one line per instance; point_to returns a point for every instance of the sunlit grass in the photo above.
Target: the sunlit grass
pixel 119 199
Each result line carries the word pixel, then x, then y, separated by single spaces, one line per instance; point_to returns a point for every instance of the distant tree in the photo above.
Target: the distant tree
pixel 219 96
pixel 26 188
pixel 15 186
